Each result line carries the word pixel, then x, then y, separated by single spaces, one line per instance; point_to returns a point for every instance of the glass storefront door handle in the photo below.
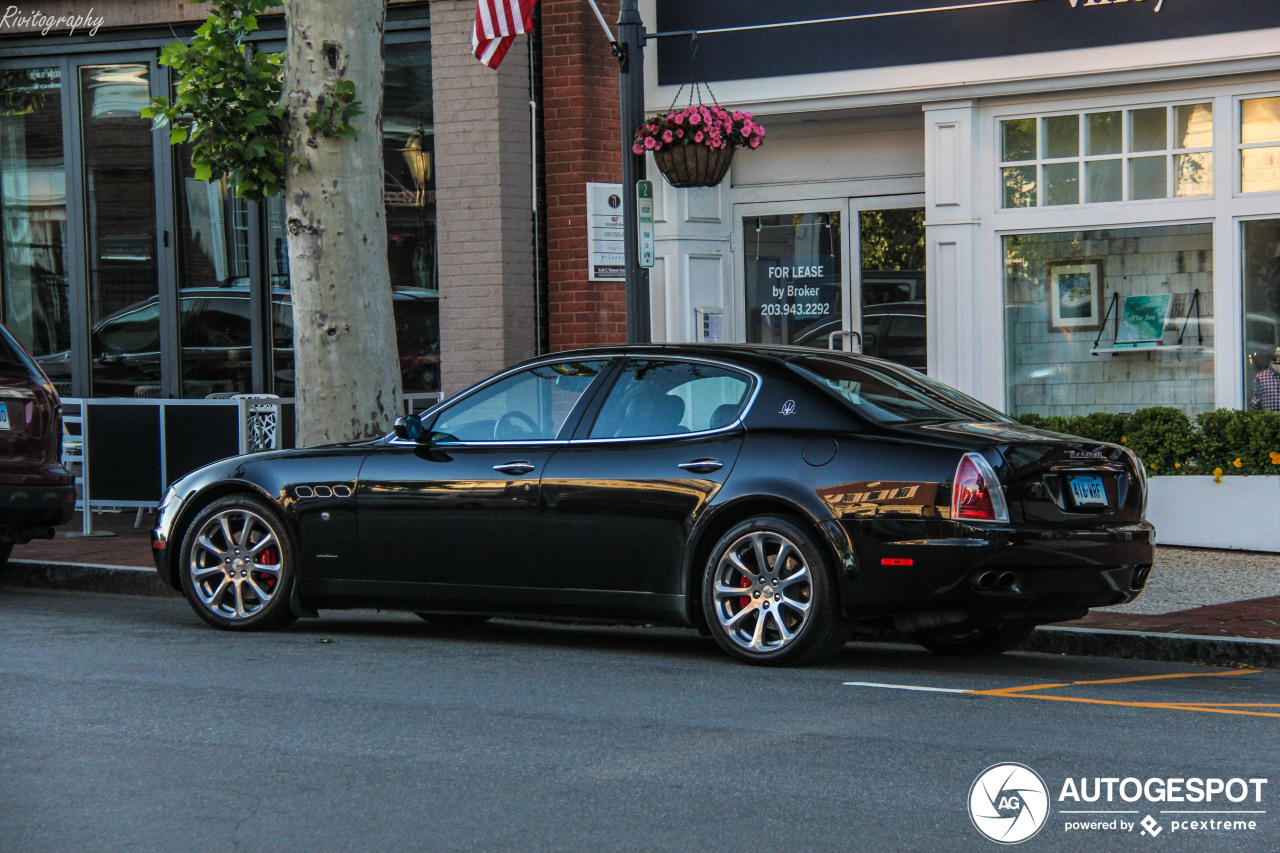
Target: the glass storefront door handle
pixel 857 342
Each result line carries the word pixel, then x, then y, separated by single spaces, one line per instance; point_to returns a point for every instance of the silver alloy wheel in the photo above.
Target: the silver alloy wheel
pixel 763 591
pixel 235 563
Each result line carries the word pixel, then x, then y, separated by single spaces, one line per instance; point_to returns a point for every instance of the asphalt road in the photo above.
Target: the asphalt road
pixel 126 724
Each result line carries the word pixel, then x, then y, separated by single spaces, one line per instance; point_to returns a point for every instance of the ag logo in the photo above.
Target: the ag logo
pixel 1008 803
pixel 788 408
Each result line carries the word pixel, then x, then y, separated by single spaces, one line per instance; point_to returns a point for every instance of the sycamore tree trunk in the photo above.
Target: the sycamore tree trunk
pixel 344 343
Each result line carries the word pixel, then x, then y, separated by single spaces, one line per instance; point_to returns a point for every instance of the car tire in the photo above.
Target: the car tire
pixel 971 641
pixel 786 612
pixel 453 620
pixel 237 565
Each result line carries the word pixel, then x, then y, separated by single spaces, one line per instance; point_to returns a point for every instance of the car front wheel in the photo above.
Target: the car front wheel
pixel 769 595
pixel 972 641
pixel 237 565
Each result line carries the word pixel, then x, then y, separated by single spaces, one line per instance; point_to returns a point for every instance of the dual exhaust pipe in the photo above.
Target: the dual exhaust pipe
pixel 988 581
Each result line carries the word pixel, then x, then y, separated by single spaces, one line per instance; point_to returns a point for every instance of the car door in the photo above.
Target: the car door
pixel 462 508
pixel 620 499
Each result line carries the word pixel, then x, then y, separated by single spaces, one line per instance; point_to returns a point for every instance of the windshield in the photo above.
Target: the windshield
pixel 887 394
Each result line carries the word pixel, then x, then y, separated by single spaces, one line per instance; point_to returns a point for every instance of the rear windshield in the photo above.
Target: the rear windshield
pixel 887 394
pixel 12 355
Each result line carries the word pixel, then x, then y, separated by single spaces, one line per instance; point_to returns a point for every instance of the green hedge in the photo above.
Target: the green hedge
pixel 1169 442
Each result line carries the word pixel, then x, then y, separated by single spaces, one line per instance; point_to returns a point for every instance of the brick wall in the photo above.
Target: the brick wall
pixel 580 90
pixel 483 201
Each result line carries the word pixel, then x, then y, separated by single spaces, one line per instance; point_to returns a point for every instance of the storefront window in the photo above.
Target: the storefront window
pixel 33 216
pixel 119 177
pixel 1261 253
pixel 1164 151
pixel 793 278
pixel 1110 320
pixel 893 285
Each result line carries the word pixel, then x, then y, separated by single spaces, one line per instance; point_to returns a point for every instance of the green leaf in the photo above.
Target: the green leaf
pixel 177 136
pixel 203 171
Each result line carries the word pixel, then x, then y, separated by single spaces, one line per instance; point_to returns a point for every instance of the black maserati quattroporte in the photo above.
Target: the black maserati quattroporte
pixel 774 496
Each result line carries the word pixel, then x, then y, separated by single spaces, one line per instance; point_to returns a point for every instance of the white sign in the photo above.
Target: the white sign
pixel 605 232
pixel 644 221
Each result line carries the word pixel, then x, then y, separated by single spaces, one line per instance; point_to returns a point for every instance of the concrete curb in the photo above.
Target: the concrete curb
pixel 1190 648
pixel 85 577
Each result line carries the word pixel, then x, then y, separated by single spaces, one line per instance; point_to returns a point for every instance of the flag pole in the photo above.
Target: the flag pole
pixel 630 50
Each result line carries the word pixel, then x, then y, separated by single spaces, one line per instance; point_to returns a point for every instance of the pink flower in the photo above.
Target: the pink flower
pixel 637 148
pixel 649 143
pixel 667 136
pixel 679 134
pixel 755 142
pixel 697 137
pixel 694 118
pixel 677 119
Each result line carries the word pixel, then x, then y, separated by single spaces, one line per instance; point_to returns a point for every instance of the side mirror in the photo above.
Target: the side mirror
pixel 410 428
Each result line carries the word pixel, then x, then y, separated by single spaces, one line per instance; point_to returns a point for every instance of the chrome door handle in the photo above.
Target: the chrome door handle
pixel 702 466
pixel 515 467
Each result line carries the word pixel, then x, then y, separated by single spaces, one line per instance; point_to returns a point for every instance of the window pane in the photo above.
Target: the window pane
pixel 1193 174
pixel 1261 264
pixel 1019 186
pixel 893 286
pixel 793 278
pixel 1062 183
pixel 1260 170
pixel 1049 362
pixel 1148 129
pixel 121 224
pixel 1147 177
pixel 1260 120
pixel 655 398
pixel 1019 139
pixel 1103 133
pixel 33 219
pixel 1193 126
pixel 408 151
pixel 1103 177
pixel 1062 136
pixel 528 406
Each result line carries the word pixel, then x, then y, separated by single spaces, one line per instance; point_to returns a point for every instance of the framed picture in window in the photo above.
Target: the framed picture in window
pixel 1075 296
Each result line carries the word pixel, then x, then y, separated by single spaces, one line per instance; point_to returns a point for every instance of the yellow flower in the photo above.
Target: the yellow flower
pixel 1237 463
pixel 1177 465
pixel 1217 475
pixel 1275 458
pixel 1124 439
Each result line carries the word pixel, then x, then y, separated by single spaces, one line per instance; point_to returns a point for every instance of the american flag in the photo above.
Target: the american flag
pixel 498 22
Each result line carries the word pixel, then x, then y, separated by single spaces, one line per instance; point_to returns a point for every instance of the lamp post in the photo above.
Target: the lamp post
pixel 630 48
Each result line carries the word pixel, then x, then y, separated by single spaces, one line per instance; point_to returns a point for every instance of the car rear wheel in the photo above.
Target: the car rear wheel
pixel 237 565
pixel 769 595
pixel 972 641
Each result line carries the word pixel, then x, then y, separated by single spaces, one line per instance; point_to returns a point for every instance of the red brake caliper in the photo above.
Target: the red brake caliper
pixel 744 600
pixel 269 558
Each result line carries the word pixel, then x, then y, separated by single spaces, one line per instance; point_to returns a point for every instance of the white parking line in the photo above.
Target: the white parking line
pixel 905 687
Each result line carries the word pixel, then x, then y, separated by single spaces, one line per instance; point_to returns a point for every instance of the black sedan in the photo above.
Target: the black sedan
pixel 773 496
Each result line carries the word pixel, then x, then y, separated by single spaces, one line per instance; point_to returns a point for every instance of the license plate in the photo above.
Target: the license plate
pixel 4 416
pixel 1088 491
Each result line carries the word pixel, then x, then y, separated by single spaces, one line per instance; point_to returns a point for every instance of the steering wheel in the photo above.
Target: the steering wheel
pixel 520 420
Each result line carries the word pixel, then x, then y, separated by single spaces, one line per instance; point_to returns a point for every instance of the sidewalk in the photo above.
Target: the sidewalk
pixel 1207 606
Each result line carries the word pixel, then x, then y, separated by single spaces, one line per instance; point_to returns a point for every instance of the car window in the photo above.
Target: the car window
pixel 531 405
pixel 216 322
pixel 887 395
pixel 653 398
pixel 133 332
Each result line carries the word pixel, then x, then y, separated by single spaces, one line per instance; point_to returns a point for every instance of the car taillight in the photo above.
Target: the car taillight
pixel 977 494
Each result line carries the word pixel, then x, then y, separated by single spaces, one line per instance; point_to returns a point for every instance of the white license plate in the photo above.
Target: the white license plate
pixel 4 416
pixel 1088 491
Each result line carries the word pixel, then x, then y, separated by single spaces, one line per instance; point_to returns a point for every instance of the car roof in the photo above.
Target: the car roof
pixel 742 354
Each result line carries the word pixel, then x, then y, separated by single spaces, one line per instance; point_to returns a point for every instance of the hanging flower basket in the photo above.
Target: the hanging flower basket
pixel 693 147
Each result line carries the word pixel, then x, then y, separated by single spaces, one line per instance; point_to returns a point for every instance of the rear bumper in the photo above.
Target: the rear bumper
pixel 24 507
pixel 1001 573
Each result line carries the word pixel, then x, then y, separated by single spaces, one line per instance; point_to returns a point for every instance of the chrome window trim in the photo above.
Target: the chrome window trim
pixel 756 379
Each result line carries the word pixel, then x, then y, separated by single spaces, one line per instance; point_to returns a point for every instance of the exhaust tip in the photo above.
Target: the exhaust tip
pixel 1007 580
pixel 986 580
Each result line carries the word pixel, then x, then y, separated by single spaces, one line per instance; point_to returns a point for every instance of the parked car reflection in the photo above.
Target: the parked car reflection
pixel 217 344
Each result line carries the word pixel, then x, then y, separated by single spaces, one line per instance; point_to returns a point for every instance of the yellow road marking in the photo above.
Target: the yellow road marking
pixel 1164 706
pixel 1008 691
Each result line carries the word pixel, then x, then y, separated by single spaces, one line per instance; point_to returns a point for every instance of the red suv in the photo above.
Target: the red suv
pixel 36 492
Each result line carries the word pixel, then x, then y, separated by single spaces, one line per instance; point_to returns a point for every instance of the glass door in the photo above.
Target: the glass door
pixel 891 284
